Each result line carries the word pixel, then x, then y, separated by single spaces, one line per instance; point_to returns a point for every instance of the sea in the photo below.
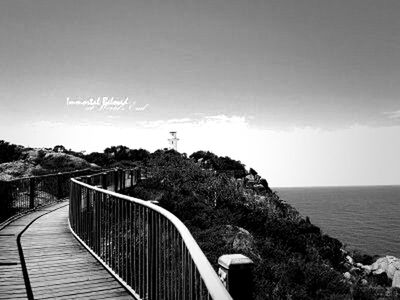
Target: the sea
pixel 366 218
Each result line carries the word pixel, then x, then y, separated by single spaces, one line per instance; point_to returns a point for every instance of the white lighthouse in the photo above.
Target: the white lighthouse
pixel 173 142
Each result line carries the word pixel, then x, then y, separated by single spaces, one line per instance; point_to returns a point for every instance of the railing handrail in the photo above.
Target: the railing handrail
pixel 210 278
pixel 51 174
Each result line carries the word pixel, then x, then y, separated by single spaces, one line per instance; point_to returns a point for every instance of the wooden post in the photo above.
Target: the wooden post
pixel 116 180
pixel 138 175
pixel 5 200
pixel 32 192
pixel 122 179
pixel 235 272
pixel 104 180
pixel 59 186
pixel 88 181
pixel 131 175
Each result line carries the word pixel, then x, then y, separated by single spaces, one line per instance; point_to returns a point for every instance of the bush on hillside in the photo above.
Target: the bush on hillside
pixel 9 152
pixel 63 162
pixel 220 164
pixel 294 259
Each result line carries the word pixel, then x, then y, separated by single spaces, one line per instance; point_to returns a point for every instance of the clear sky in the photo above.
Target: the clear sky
pixel 306 92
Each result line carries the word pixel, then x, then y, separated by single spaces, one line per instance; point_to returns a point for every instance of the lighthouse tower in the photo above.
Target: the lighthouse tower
pixel 173 142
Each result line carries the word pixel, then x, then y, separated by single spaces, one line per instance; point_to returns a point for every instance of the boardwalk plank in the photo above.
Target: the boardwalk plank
pixel 58 266
pixel 68 271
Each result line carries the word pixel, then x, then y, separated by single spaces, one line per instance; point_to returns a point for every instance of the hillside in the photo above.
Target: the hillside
pixel 231 214
pixel 230 209
pixel 23 162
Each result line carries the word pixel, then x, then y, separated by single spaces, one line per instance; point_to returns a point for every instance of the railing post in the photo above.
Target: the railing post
pixel 59 186
pixel 116 180
pixel 131 175
pixel 138 175
pixel 31 192
pixel 88 181
pixel 122 178
pixel 5 200
pixel 104 180
pixel 235 272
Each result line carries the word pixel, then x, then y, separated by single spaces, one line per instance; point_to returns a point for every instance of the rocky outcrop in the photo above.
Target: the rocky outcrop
pixel 384 270
pixel 396 279
pixel 241 240
pixel 389 265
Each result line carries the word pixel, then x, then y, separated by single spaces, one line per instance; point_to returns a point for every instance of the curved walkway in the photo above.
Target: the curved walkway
pixel 57 265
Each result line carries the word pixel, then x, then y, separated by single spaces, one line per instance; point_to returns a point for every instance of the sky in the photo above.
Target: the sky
pixel 305 92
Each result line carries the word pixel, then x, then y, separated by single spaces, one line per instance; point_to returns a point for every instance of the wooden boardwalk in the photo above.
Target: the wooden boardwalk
pixel 58 266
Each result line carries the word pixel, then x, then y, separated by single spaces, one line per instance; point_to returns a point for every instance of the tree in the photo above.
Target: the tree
pixel 100 159
pixel 59 148
pixel 221 164
pixel 138 154
pixel 9 152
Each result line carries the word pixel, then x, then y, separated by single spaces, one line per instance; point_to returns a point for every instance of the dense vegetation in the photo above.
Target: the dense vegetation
pixel 228 211
pixel 9 152
pixel 117 156
pixel 293 258
pixel 18 161
pixel 220 164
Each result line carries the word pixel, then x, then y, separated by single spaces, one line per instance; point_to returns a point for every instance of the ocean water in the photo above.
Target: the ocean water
pixel 365 218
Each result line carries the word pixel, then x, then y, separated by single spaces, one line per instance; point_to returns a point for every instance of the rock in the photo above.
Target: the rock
pixel 347 265
pixel 259 188
pixel 374 266
pixel 240 239
pixel 347 275
pixel 264 183
pixel 367 269
pixel 250 178
pixel 359 265
pixel 384 265
pixel 379 271
pixel 355 270
pixel 388 264
pixel 391 270
pixel 350 259
pixel 396 279
pixel 364 282
pixel 378 264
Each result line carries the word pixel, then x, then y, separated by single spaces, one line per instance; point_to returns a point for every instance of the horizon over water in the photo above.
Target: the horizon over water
pixel 366 218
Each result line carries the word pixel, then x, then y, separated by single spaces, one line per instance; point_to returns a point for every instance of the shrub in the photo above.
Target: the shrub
pixel 9 152
pixel 294 259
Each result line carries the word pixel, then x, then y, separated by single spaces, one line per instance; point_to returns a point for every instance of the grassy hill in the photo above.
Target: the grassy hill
pixel 23 162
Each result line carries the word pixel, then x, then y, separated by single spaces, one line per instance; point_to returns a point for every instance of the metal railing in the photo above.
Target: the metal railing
pixel 146 247
pixel 22 194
